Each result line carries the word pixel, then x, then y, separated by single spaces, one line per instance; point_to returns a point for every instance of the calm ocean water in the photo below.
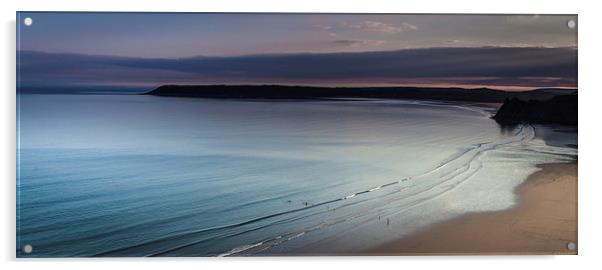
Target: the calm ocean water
pixel 130 175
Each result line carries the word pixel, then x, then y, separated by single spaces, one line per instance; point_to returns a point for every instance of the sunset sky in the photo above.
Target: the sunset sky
pixel 147 50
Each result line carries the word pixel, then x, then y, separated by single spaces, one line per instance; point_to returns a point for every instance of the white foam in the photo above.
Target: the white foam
pixel 240 249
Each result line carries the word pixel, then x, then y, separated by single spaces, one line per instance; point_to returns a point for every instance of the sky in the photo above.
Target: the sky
pixel 151 49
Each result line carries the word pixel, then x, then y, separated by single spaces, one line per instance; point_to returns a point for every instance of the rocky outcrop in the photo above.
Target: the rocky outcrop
pixel 557 110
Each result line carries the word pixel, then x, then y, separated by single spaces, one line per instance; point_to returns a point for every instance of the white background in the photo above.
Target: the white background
pixel 590 98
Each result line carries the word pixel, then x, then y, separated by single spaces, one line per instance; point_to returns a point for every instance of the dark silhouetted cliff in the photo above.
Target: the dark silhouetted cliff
pixel 557 110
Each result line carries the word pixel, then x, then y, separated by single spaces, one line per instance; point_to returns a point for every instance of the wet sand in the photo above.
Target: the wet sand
pixel 543 222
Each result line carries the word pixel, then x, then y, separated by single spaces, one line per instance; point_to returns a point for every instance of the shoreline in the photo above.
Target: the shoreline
pixel 542 222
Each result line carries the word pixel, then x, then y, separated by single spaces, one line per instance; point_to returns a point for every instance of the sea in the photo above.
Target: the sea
pixel 139 175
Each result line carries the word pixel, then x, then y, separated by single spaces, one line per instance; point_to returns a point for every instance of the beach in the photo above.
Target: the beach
pixel 543 222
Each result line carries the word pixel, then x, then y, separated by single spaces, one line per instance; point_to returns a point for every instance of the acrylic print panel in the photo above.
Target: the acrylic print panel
pixel 218 134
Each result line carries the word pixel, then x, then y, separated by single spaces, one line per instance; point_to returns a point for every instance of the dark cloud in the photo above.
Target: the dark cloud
pixel 522 66
pixel 346 42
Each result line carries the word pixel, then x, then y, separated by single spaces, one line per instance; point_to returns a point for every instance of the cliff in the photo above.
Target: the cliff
pixel 557 110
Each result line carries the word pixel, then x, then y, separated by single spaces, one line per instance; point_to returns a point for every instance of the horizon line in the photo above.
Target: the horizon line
pixel 417 86
pixel 301 52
